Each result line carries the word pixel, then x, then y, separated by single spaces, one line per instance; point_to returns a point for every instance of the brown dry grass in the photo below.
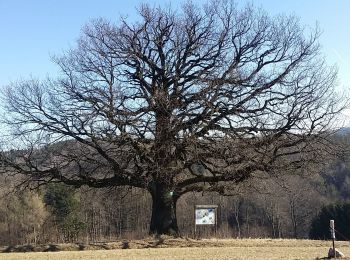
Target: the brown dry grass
pixel 170 248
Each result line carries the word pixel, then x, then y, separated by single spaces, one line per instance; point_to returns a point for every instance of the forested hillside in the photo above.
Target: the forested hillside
pixel 280 207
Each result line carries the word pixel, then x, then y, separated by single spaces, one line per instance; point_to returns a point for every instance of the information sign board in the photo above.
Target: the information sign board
pixel 205 216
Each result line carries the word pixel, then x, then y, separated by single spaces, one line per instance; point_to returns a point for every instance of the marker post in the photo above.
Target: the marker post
pixel 331 225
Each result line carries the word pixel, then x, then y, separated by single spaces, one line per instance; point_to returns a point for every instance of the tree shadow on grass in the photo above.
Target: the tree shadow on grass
pixel 21 249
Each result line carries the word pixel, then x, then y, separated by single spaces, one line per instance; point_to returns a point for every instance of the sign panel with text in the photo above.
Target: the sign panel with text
pixel 205 215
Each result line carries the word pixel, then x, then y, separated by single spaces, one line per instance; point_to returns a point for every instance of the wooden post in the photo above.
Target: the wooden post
pixel 195 225
pixel 216 222
pixel 331 224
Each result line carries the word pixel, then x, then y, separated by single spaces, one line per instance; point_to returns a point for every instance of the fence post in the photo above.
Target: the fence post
pixel 331 224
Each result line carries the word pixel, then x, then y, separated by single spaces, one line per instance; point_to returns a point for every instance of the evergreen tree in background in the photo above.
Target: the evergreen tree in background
pixel 340 213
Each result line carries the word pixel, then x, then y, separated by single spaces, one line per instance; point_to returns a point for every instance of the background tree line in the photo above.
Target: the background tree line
pixel 280 207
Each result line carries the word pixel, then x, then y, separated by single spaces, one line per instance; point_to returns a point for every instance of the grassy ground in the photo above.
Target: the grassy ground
pixel 191 249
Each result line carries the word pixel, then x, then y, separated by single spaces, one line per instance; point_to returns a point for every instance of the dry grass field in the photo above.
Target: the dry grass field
pixel 190 249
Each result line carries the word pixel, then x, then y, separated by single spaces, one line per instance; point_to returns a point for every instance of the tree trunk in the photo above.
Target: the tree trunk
pixel 293 217
pixel 163 220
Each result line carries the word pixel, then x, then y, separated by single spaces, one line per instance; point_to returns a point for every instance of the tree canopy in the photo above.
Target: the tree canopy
pixel 196 99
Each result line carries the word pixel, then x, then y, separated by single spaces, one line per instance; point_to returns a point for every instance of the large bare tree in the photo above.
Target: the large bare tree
pixel 197 99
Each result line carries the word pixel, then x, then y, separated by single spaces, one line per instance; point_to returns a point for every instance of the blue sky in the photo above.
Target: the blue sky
pixel 32 31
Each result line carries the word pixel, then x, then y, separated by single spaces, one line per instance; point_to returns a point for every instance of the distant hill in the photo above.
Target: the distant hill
pixel 343 131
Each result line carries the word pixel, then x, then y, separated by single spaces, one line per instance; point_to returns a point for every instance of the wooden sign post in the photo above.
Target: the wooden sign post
pixel 331 225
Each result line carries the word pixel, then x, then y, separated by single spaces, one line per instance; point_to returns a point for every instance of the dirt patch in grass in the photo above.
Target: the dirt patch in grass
pixel 169 242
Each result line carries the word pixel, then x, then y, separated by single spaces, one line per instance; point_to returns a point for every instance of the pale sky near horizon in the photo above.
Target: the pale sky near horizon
pixel 32 31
